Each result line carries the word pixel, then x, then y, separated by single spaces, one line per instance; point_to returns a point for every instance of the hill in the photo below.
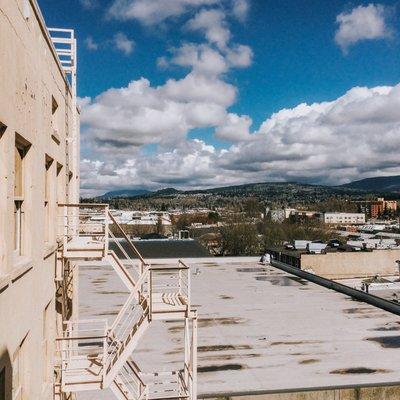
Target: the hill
pixel 125 193
pixel 376 184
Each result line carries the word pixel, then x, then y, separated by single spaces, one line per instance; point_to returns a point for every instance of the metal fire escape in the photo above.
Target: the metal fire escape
pixel 93 354
pixel 96 355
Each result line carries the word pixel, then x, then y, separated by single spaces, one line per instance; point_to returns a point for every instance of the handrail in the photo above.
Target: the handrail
pixel 167 268
pixel 135 292
pixel 136 370
pixel 120 247
pixel 124 235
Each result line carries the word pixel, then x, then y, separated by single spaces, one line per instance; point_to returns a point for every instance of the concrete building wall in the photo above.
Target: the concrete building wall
pixel 31 82
pixel 352 264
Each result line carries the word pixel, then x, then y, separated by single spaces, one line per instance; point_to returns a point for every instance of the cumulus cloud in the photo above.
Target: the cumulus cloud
pixel 240 9
pixel 200 58
pixel 362 23
pixel 141 114
pixel 213 24
pixel 354 136
pixel 236 128
pixel 123 43
pixel 89 3
pixel 91 44
pixel 154 11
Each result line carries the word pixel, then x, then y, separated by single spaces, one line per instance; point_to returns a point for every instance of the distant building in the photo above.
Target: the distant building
pixel 337 218
pixel 376 208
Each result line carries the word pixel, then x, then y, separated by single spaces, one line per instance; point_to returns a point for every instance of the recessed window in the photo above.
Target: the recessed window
pixel 48 198
pixel 2 130
pixel 54 121
pixel 3 384
pixel 60 183
pixel 20 371
pixel 20 151
pixel 46 344
pixel 54 105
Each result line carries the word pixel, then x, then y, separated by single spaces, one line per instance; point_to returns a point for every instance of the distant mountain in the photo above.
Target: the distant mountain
pixel 377 184
pixel 277 191
pixel 165 192
pixel 125 193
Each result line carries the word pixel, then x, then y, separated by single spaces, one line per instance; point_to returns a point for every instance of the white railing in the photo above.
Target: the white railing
pixel 129 379
pixel 131 315
pixel 166 384
pixel 83 339
pixel 83 221
pixel 172 281
pixel 124 246
pixel 105 348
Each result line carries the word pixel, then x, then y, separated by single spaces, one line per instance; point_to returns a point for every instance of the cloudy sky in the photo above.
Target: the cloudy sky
pixel 203 93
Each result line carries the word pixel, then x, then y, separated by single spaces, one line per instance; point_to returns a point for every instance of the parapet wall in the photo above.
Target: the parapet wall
pixel 356 393
pixel 352 264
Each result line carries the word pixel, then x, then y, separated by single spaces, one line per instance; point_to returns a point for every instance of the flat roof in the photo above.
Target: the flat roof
pixel 260 329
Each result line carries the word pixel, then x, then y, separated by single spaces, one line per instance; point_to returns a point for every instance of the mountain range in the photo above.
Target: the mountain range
pixel 386 184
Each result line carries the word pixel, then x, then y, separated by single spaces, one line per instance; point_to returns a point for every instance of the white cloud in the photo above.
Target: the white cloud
pixel 362 23
pixel 89 3
pixel 352 137
pixel 213 24
pixel 235 128
pixel 240 9
pixel 140 114
pixel 240 56
pixel 154 11
pixel 123 43
pixel 91 44
pixel 201 58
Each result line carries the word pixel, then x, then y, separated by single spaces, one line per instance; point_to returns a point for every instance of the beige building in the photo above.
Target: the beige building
pixel 344 218
pixel 46 351
pixel 39 169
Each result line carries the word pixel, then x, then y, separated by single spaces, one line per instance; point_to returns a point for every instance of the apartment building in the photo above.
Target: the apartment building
pixel 344 218
pixel 379 207
pixel 39 170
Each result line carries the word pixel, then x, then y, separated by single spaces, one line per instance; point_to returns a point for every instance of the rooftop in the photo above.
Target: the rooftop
pixel 261 329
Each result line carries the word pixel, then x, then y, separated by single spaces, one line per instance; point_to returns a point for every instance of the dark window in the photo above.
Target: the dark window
pixel 3 384
pixel 2 129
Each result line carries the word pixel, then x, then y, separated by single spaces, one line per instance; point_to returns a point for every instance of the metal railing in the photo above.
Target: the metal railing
pixel 124 247
pixel 129 379
pixel 172 281
pixel 87 222
pixel 83 340
pixel 131 315
pixel 167 384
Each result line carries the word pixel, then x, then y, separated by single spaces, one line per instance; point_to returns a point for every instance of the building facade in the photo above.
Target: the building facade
pixel 39 170
pixel 378 208
pixel 344 218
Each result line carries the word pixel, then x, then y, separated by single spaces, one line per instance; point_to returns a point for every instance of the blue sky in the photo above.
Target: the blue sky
pixel 297 52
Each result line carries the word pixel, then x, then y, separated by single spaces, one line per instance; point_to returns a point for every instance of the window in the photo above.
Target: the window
pixel 60 189
pixel 47 359
pixel 48 197
pixel 20 371
pixel 3 384
pixel 20 150
pixel 54 121
pixel 2 130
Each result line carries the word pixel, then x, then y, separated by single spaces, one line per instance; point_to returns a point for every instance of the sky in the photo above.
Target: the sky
pixel 205 93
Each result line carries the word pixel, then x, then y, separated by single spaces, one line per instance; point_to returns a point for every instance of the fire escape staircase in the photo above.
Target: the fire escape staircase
pixel 95 355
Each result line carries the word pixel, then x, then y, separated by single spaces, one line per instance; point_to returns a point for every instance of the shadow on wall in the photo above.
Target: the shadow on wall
pixel 5 375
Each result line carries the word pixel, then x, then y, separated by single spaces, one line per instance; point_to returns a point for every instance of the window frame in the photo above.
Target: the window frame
pixel 21 149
